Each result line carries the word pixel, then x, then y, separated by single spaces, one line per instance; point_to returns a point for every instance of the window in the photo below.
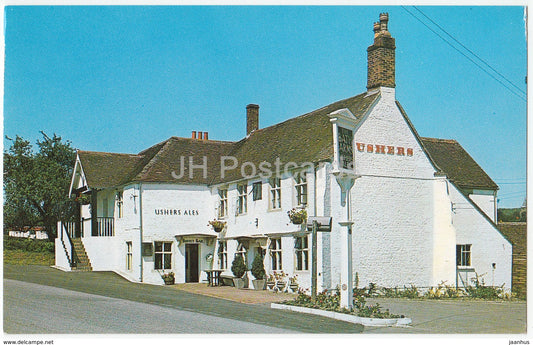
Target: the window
pixel 275 254
pixel 301 247
pixel 241 250
pixel 275 193
pixel 163 255
pixel 463 254
pixel 257 191
pixel 223 205
pixel 242 204
pixel 301 188
pixel 129 255
pixel 120 203
pixel 222 255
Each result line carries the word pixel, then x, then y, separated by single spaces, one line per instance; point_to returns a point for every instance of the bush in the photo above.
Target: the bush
pixel 331 302
pixel 238 267
pixel 258 269
pixel 28 245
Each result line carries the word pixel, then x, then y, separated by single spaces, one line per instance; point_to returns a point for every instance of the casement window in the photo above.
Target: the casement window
pixel 275 254
pixel 257 191
pixel 275 193
pixel 242 198
pixel 301 248
pixel 301 188
pixel 222 255
pixel 463 254
pixel 163 255
pixel 241 251
pixel 120 204
pixel 129 255
pixel 223 203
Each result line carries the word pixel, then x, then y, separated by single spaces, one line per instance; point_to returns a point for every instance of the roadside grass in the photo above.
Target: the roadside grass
pixel 21 257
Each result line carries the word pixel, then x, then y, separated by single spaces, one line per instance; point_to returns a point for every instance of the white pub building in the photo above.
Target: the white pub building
pixel 416 210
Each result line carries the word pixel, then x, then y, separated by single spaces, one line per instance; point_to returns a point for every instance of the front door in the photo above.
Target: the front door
pixel 191 263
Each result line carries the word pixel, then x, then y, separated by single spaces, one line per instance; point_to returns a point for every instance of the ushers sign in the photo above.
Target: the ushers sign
pixel 384 149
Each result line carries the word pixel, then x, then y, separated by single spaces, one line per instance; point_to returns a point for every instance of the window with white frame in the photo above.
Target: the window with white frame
pixel 129 255
pixel 257 191
pixel 463 254
pixel 275 193
pixel 301 248
pixel 242 197
pixel 223 203
pixel 241 251
pixel 163 255
pixel 301 188
pixel 120 204
pixel 222 255
pixel 275 254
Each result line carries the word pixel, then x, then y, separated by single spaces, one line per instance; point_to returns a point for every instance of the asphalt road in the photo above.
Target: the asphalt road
pixel 108 284
pixel 33 308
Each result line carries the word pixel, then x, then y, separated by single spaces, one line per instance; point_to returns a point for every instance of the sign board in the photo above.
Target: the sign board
pixel 345 142
pixel 147 249
pixel 324 223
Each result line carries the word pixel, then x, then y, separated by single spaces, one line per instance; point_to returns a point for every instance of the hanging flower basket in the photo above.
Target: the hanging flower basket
pixel 297 215
pixel 217 225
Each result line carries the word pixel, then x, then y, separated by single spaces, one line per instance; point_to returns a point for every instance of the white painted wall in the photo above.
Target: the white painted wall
pixel 485 200
pixel 488 244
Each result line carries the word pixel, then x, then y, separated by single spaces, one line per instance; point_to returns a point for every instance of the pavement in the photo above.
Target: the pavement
pixel 247 296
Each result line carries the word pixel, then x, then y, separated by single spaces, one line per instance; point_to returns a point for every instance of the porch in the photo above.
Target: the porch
pixel 96 227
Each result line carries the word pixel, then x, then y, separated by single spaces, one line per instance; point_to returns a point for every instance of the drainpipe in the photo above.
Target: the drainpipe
pixel 141 228
pixel 315 167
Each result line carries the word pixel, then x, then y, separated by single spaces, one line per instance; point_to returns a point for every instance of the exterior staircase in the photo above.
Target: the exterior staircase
pixel 80 256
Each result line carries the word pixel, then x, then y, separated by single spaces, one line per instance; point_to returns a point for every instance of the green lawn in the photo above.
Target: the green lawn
pixel 20 257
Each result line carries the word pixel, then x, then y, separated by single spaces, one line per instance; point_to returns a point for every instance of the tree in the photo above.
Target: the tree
pixel 36 183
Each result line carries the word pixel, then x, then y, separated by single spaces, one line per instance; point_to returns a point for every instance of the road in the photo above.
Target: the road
pixel 33 308
pixel 110 289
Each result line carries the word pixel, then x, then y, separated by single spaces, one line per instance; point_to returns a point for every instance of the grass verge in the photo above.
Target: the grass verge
pixel 20 257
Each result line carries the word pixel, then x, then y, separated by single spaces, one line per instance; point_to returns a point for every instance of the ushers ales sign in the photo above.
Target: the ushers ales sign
pixel 384 149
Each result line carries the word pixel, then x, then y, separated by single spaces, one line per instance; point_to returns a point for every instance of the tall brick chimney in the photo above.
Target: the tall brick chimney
pixel 381 59
pixel 252 118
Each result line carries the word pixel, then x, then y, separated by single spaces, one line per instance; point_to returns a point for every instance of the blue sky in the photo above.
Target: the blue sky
pixel 121 79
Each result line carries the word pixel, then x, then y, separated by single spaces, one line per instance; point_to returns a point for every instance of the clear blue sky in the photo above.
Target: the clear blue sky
pixel 121 79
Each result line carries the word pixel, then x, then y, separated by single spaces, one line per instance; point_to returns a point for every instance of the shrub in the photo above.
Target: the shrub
pixel 238 267
pixel 258 268
pixel 28 245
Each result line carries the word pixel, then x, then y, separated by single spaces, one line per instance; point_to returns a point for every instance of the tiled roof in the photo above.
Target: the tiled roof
pixel 104 170
pixel 458 165
pixel 306 138
pixel 517 234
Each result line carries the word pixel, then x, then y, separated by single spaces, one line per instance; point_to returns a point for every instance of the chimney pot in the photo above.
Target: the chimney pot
pixel 194 134
pixel 381 56
pixel 252 118
pixel 200 135
pixel 205 136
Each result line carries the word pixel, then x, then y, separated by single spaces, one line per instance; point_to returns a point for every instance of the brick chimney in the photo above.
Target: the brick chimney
pixel 252 118
pixel 381 59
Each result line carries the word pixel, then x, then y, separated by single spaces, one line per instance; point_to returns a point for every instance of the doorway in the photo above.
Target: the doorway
pixel 191 263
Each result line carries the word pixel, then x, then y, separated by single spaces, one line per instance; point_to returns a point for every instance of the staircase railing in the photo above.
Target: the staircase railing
pixel 68 246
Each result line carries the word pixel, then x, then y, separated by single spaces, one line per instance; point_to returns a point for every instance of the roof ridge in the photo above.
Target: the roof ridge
pixel 202 141
pixel 451 141
pixel 303 115
pixel 152 160
pixel 109 153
